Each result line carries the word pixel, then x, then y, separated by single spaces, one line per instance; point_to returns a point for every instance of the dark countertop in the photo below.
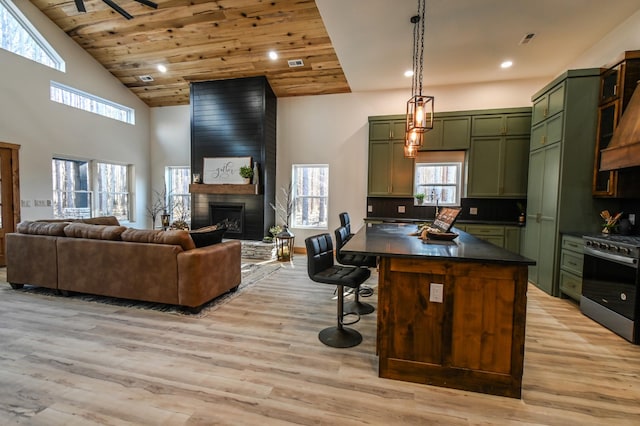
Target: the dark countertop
pixel 393 240
pixel 460 221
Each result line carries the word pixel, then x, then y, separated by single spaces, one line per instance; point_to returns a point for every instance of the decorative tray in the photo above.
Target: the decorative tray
pixel 443 236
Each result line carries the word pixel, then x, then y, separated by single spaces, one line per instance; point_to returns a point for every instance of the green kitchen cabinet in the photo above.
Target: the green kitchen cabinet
pixel 547 132
pixel 571 261
pixel 388 129
pixel 507 237
pixel 448 133
pixel 548 104
pixel 560 173
pixel 390 173
pixel 501 124
pixel 498 166
pixel 512 238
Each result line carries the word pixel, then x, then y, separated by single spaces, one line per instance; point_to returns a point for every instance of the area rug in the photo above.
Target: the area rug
pixel 252 273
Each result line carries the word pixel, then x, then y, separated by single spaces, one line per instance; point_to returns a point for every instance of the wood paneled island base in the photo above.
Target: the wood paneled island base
pixel 450 314
pixel 472 340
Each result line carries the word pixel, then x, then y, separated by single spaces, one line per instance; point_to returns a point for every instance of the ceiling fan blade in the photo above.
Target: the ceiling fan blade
pixel 80 6
pixel 148 3
pixel 118 9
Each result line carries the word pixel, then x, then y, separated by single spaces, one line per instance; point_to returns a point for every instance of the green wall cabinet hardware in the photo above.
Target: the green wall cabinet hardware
pixel 501 124
pixel 571 260
pixel 498 166
pixel 449 133
pixel 558 195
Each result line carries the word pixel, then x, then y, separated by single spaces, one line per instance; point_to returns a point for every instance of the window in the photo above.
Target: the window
pixel 18 36
pixel 84 189
pixel 87 102
pixel 438 176
pixel 178 196
pixel 310 195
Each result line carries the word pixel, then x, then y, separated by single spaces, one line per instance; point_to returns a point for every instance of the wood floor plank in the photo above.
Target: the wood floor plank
pixel 256 359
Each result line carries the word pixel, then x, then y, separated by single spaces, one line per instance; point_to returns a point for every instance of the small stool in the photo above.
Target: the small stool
pixel 321 269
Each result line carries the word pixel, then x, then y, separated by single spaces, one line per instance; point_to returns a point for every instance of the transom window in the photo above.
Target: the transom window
pixel 87 102
pixel 310 195
pixel 439 177
pixel 18 36
pixel 84 189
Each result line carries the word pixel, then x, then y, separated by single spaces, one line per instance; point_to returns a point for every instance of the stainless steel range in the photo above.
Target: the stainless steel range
pixel 610 283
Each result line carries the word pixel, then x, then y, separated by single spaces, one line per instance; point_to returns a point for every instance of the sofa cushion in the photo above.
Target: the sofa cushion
pixel 94 232
pixel 55 229
pixel 101 220
pixel 155 236
pixel 208 235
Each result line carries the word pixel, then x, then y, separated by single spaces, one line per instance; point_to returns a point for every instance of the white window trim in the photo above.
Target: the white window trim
pixel 35 35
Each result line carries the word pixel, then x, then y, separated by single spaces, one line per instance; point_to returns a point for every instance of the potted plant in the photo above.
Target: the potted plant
pixel 419 198
pixel 247 173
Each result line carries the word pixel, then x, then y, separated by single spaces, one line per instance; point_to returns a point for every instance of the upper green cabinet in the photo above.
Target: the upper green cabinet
pixel 387 130
pixel 390 173
pixel 501 124
pixel 449 133
pixel 549 104
pixel 498 166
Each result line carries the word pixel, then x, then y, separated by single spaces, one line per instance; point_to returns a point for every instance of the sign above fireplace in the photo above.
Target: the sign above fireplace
pixel 218 170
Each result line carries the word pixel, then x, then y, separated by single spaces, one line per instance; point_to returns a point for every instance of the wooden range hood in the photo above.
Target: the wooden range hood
pixel 624 148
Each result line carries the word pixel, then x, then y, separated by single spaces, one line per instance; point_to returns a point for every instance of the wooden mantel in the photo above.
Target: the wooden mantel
pixel 224 188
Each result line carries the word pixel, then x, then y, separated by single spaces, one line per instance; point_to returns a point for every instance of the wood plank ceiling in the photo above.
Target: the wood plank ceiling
pixel 201 40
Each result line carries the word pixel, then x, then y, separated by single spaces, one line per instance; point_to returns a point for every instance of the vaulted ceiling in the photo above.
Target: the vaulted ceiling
pixel 201 40
pixel 345 45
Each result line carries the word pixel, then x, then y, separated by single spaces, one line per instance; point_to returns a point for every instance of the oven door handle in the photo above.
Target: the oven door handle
pixel 610 256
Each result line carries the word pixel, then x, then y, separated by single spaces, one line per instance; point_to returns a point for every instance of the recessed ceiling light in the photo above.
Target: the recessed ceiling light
pixel 162 68
pixel 273 55
pixel 408 73
pixel 506 64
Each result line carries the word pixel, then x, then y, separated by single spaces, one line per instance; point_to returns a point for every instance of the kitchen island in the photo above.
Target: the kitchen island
pixel 450 313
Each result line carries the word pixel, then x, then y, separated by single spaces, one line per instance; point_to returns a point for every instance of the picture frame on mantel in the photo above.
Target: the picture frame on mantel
pixel 224 170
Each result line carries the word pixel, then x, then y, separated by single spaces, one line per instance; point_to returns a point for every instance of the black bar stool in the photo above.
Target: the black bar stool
pixel 361 261
pixel 321 268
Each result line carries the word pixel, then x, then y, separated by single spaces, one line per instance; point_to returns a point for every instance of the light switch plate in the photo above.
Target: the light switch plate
pixel 473 210
pixel 370 209
pixel 401 209
pixel 436 292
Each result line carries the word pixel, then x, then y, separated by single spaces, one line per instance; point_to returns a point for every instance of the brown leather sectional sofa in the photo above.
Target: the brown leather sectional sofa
pixel 112 260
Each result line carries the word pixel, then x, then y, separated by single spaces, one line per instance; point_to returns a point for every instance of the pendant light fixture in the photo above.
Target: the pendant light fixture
pixel 419 107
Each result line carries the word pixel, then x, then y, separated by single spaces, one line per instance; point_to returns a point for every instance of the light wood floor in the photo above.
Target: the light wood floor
pixel 257 361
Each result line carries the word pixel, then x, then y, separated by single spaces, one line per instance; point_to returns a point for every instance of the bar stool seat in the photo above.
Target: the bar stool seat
pixel 321 269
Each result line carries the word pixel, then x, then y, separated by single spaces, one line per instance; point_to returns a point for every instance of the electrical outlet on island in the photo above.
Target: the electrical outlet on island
pixel 632 219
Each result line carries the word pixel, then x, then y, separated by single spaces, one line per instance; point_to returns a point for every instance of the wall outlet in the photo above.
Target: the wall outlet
pixel 401 209
pixel 473 210
pixel 632 218
pixel 370 209
pixel 436 292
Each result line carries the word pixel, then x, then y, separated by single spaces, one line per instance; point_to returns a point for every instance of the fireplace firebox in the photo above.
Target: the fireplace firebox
pixel 229 214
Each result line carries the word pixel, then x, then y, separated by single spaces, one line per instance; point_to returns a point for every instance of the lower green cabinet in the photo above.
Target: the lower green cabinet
pixel 571 260
pixel 507 237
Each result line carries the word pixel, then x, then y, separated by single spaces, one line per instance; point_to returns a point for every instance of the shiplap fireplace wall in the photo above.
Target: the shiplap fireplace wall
pixel 235 118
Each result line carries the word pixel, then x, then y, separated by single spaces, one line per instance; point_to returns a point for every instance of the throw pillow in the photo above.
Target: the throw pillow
pixel 208 235
pixel 156 236
pixel 55 229
pixel 94 232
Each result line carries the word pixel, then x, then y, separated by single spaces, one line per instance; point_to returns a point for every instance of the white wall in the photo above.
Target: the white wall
pixel 43 128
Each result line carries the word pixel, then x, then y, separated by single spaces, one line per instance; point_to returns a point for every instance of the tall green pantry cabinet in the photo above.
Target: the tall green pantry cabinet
pixel 563 130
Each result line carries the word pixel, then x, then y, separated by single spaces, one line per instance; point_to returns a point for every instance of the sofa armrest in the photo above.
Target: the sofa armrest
pixel 207 272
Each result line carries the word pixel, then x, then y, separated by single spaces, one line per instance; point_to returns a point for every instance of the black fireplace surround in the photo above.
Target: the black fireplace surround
pixel 235 118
